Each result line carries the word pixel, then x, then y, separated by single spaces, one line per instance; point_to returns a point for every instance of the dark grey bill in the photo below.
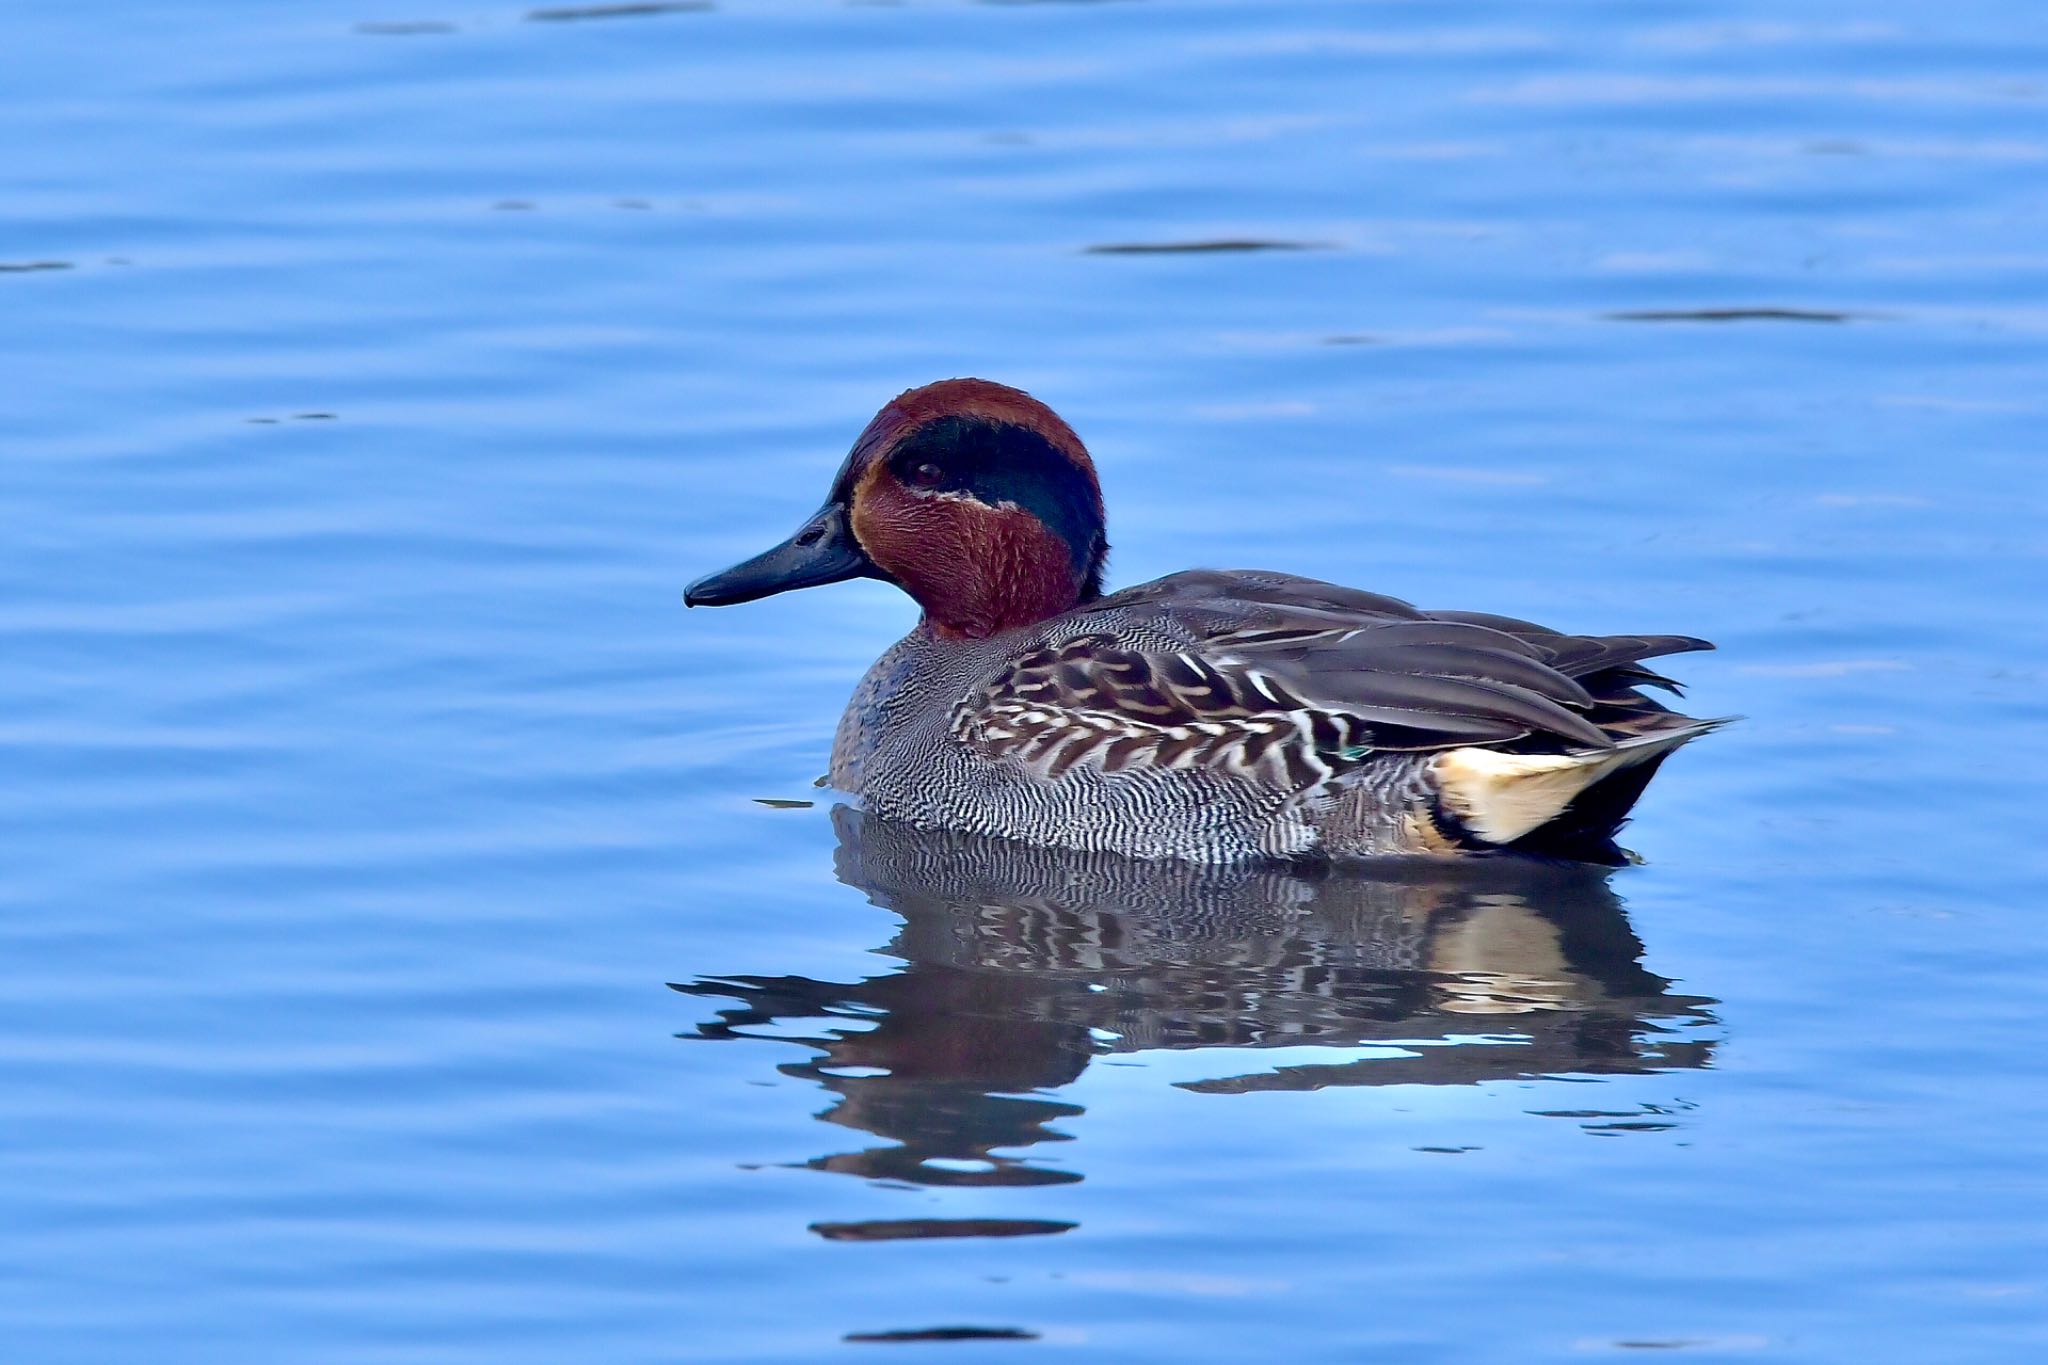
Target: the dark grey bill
pixel 822 551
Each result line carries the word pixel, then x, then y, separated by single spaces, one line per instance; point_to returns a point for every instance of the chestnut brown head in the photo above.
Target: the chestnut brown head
pixel 973 497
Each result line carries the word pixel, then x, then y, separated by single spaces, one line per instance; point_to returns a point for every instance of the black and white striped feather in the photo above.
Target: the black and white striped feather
pixel 1293 681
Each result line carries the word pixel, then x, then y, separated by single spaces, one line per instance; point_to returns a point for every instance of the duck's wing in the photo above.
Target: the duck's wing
pixel 1209 666
pixel 1584 656
pixel 1609 667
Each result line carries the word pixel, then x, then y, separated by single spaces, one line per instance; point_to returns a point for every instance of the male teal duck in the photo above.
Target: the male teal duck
pixel 1211 715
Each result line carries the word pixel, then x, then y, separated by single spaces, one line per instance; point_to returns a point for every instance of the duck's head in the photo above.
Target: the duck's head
pixel 973 497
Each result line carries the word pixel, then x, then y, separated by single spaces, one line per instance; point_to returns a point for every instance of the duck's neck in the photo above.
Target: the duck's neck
pixel 977 610
pixel 1017 573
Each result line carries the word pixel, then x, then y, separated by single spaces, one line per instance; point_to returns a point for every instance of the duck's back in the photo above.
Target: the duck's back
pixel 1224 715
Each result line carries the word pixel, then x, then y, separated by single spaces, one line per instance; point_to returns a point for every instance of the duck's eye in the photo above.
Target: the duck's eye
pixel 926 475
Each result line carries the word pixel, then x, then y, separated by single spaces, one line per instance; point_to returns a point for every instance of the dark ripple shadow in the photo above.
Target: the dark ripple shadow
pixel 919 1229
pixel 404 28
pixel 1022 965
pixel 571 14
pixel 1208 246
pixel 1734 315
pixel 944 1334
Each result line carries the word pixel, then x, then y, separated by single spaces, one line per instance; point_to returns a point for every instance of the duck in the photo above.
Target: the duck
pixel 1210 716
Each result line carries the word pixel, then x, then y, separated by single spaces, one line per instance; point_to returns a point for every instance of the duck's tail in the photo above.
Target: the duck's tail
pixel 1558 805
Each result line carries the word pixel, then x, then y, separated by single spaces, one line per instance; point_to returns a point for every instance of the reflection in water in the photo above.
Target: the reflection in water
pixel 1021 964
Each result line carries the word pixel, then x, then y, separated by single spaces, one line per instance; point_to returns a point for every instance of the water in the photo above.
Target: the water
pixel 378 374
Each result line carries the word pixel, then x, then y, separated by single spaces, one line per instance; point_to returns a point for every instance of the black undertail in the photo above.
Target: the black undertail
pixel 1585 831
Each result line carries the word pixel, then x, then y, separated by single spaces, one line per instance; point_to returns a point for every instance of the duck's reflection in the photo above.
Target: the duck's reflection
pixel 1020 965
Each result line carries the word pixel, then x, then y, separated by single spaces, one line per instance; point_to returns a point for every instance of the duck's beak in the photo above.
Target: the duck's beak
pixel 822 551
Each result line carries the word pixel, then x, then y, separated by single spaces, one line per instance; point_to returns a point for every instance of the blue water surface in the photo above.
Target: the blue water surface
pixel 377 374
